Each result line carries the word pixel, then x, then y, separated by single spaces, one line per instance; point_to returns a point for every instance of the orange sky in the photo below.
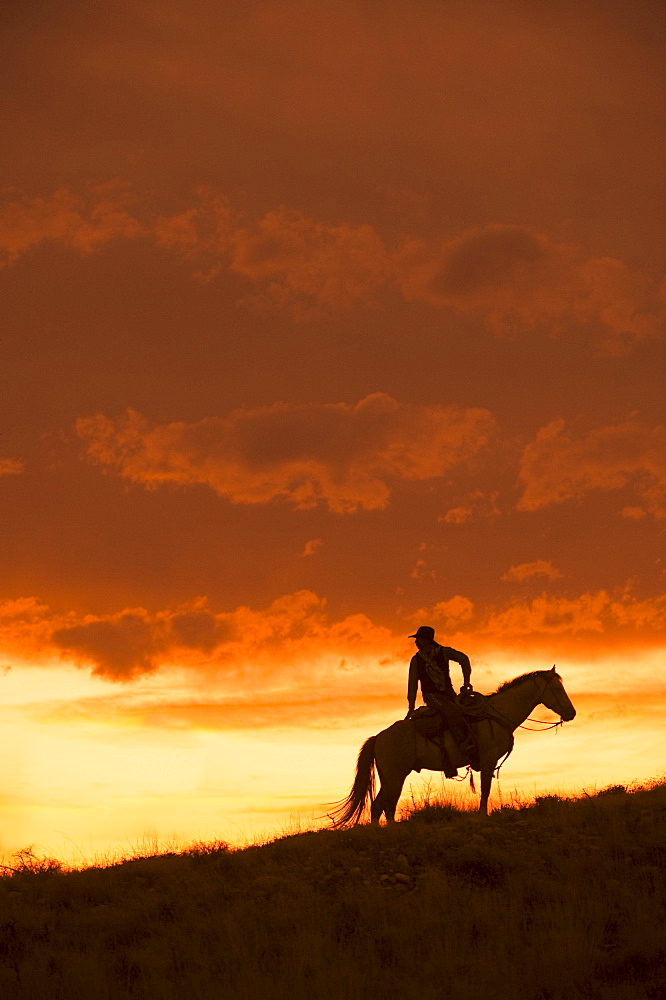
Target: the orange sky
pixel 321 322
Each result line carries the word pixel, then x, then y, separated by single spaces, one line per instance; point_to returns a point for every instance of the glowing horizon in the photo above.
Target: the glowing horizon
pixel 104 772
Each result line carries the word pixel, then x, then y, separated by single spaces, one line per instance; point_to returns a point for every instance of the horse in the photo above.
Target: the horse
pixel 400 749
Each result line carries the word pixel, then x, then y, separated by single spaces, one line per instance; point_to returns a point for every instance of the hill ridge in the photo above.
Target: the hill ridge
pixel 538 901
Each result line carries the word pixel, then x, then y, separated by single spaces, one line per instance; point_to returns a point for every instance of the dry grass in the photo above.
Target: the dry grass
pixel 557 899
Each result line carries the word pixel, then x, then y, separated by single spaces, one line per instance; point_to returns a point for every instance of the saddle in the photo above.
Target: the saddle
pixel 429 723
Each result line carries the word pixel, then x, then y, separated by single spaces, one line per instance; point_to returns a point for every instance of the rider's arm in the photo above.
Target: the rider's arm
pixel 463 660
pixel 412 685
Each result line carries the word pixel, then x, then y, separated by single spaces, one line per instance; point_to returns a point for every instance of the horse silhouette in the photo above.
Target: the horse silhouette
pixel 401 749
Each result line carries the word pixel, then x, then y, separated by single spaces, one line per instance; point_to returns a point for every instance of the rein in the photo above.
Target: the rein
pixel 548 725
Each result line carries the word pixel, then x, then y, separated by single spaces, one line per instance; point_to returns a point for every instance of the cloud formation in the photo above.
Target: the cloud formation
pixel 300 262
pixel 451 615
pixel 598 612
pixel 559 465
pixel 597 618
pixel 520 280
pixel 477 506
pixel 339 454
pixel 121 647
pixel 25 625
pixel 311 546
pixel 295 640
pixel 525 571
pixel 246 645
pixel 11 467
pixel 513 278
pixel 135 642
pixel 63 218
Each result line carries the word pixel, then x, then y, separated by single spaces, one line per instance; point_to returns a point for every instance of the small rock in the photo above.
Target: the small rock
pixel 402 863
pixel 402 878
pixel 355 871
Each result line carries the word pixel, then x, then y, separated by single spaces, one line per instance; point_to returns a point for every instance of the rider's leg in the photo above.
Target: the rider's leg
pixel 455 723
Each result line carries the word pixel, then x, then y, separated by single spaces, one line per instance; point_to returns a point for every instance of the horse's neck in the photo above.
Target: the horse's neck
pixel 517 702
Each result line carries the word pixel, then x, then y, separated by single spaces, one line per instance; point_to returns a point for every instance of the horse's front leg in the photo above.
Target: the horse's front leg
pixel 486 782
pixel 488 760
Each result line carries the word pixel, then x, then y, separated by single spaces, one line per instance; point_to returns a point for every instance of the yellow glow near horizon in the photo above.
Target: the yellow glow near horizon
pixel 98 783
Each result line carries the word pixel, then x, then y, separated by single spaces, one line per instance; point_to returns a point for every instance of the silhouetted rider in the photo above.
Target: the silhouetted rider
pixel 430 668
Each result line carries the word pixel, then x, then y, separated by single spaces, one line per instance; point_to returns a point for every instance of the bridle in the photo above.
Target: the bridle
pixel 510 726
pixel 547 725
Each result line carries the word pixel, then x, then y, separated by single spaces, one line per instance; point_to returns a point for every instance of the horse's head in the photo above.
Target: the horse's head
pixel 555 697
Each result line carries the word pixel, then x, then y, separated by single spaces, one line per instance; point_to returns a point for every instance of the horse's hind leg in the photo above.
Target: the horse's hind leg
pixel 394 759
pixel 377 807
pixel 391 792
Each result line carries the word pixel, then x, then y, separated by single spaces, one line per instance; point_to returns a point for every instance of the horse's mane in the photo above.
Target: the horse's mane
pixel 530 675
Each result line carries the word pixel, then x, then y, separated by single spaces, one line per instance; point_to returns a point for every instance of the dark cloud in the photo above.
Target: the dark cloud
pixel 120 649
pixel 199 630
pixel 124 646
pixel 487 257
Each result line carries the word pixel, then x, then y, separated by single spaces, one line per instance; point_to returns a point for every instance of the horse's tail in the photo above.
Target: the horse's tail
pixel 351 809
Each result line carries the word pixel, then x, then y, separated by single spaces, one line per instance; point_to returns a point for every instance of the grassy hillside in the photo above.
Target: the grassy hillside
pixel 558 899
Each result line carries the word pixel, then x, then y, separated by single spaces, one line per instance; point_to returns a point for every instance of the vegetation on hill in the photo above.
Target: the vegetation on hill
pixel 562 898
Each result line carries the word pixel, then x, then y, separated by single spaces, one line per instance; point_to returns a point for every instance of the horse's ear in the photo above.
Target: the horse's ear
pixel 552 669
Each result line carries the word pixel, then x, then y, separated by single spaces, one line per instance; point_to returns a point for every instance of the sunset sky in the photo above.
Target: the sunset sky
pixel 321 322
